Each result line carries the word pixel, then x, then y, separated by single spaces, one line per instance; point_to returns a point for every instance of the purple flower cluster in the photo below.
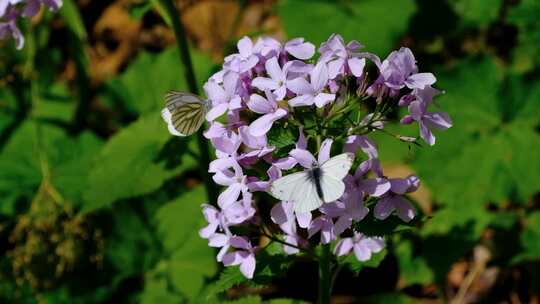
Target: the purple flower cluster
pixel 270 85
pixel 11 10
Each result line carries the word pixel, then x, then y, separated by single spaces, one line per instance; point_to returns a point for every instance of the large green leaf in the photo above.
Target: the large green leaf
pixel 489 154
pixel 36 149
pixel 376 23
pixel 130 233
pixel 142 86
pixel 129 165
pixel 471 96
pixel 189 261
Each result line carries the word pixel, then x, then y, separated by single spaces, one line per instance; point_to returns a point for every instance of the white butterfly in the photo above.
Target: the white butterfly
pixel 311 188
pixel 184 112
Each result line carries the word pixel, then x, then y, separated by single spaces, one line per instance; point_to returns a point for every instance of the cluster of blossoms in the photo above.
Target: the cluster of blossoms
pixel 11 10
pixel 331 104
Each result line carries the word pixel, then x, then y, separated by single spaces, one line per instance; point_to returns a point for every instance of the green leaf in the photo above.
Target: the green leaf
pixel 281 137
pixel 495 115
pixel 142 86
pixel 479 13
pixel 190 261
pixel 412 269
pixel 375 23
pixel 157 290
pixel 270 265
pixel 71 15
pixel 130 233
pixel 530 239
pixel 128 165
pixel 471 103
pixel 35 149
pixel 229 277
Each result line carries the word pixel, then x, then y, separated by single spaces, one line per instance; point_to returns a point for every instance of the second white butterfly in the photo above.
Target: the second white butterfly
pixel 311 188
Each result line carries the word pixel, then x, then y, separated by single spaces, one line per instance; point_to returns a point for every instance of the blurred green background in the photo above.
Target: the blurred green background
pixel 99 204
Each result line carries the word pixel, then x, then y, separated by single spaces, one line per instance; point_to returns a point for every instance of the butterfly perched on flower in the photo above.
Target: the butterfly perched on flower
pixel 184 112
pixel 311 188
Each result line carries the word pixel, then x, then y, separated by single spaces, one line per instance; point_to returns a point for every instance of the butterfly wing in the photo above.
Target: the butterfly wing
pixel 337 166
pixel 175 98
pixel 184 113
pixel 298 188
pixel 332 188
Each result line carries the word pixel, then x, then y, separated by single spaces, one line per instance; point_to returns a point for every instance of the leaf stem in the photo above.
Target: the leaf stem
pixel 189 74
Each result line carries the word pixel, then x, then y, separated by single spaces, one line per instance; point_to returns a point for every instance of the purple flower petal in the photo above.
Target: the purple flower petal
pixel 438 120
pixel 420 80
pixel 230 195
pixel 323 99
pixel 375 187
pixel 293 240
pixel 343 247
pixel 300 49
pixel 356 65
pixel 400 185
pixel 404 209
pixel 426 134
pixel 240 243
pixel 303 219
pixel 319 76
pixel 299 86
pixel 361 252
pixel 302 100
pixel 274 70
pixel 216 111
pixel 335 67
pixel 303 157
pixel 245 47
pixel 264 83
pixel 260 105
pixel 247 268
pixel 384 208
pixel 233 258
pixel 263 124
pixel 218 240
pixel 324 152
pixel 354 142
pixel 280 214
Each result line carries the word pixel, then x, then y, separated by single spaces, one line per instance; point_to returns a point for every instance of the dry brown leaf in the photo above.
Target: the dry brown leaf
pixel 115 26
pixel 212 24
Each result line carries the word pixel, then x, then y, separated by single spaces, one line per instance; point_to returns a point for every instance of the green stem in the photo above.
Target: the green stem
pixel 325 275
pixel 82 79
pixel 189 74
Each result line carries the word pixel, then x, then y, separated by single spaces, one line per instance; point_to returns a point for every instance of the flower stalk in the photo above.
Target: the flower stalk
pixel 190 77
pixel 325 275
